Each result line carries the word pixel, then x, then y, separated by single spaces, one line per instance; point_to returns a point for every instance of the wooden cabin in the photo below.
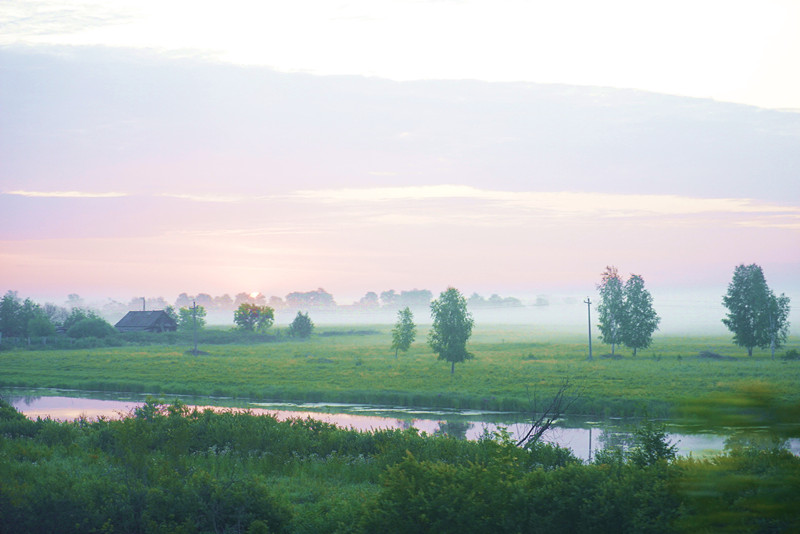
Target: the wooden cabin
pixel 146 321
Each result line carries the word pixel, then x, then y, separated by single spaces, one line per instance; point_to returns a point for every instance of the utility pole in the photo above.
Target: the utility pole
pixel 194 326
pixel 588 303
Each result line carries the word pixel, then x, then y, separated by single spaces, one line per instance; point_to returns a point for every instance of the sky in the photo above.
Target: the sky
pixel 153 148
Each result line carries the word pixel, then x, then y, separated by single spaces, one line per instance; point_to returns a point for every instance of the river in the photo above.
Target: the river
pixel 583 436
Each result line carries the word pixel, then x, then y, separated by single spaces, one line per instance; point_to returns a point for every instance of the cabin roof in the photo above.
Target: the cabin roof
pixel 141 321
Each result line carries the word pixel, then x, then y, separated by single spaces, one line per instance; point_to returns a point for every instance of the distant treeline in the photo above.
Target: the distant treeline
pixel 318 299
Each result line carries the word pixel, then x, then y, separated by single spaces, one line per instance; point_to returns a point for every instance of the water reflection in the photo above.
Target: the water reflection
pixel 584 437
pixel 453 429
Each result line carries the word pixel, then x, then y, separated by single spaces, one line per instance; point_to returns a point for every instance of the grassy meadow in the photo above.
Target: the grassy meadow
pixel 168 468
pixel 512 367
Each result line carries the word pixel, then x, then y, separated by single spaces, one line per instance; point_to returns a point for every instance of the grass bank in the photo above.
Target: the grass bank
pixel 513 366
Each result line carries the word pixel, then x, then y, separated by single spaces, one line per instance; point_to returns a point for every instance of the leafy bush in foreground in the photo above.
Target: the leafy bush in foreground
pixel 171 469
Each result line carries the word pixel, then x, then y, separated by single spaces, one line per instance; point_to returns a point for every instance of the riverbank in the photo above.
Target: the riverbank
pixel 168 468
pixel 583 436
pixel 515 369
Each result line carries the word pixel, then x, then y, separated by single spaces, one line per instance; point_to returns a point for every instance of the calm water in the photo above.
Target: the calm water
pixel 583 436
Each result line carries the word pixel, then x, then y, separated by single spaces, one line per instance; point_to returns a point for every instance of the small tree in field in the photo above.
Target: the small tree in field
pixel 452 327
pixel 301 326
pixel 187 317
pixel 404 331
pixel 640 320
pixel 756 316
pixel 611 308
pixel 252 317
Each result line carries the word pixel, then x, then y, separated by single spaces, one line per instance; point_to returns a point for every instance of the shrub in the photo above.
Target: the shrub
pixel 91 327
pixel 302 326
pixel 791 354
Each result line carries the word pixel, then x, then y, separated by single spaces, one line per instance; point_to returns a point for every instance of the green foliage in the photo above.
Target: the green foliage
pixel 451 329
pixel 404 332
pixel 639 318
pixel 91 327
pixel 301 327
pixel 11 324
pixel 742 491
pixel 78 314
pixel 40 326
pixel 503 494
pixel 169 468
pixel 652 445
pixel 188 318
pixel 792 354
pixel 171 312
pixel 18 316
pixel 626 314
pixel 755 315
pixel 751 407
pixel 611 309
pixel 252 317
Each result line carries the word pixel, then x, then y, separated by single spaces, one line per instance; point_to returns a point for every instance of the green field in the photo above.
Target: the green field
pixel 512 366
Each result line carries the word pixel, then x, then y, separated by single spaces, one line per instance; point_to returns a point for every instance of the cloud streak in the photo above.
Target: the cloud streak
pixel 66 194
pixel 562 204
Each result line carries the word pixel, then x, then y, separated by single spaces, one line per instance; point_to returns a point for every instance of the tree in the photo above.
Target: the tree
pixel 40 326
pixel 369 300
pixel 172 313
pixel 79 314
pixel 205 300
pixel 20 318
pixel 276 303
pixel 389 298
pixel 249 298
pixel 778 322
pixel 310 299
pixel 223 302
pixel 451 328
pixel 640 320
pixel 404 331
pixel 188 316
pixel 253 317
pixel 301 326
pixel 755 316
pixel 54 313
pixel 183 300
pixel 10 315
pixel 610 309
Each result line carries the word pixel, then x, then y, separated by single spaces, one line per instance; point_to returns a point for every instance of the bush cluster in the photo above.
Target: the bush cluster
pixel 166 468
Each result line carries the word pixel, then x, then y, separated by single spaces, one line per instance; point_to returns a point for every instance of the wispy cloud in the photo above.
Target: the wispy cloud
pixel 564 203
pixel 66 194
pixel 382 194
pixel 214 198
pixel 789 222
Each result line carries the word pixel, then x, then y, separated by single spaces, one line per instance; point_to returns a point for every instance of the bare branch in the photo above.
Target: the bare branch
pixel 542 422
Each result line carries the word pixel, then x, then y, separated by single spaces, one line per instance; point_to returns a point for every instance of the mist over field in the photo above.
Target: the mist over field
pixel 150 168
pixel 468 226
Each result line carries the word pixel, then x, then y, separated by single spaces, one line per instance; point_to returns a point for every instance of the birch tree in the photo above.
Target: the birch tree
pixel 610 310
pixel 640 320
